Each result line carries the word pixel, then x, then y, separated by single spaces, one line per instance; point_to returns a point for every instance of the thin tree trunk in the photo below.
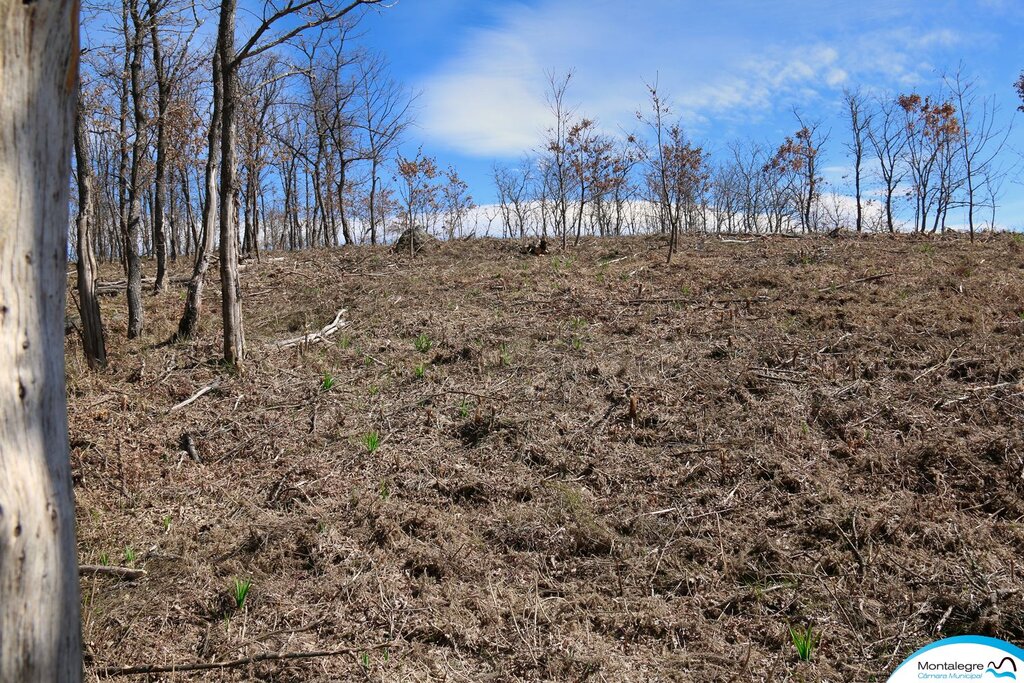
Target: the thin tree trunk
pixel 346 230
pixel 269 229
pixel 189 218
pixel 124 94
pixel 247 218
pixel 231 296
pixel 856 177
pixel 194 299
pixel 88 304
pixel 134 288
pixel 889 190
pixel 147 221
pixel 40 634
pixel 373 200
pixel 286 230
pixel 172 223
pixel 252 213
pixel 969 177
pixel 160 186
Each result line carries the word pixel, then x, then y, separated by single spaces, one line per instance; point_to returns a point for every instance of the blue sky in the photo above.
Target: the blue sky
pixel 733 69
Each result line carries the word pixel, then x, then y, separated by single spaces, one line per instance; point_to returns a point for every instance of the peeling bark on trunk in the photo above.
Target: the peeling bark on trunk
pixel 40 635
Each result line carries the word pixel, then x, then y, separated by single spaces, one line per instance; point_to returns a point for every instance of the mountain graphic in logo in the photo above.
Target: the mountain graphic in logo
pixel 997 669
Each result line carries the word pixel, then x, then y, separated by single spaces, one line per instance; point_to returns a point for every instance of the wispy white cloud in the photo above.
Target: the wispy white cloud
pixel 731 63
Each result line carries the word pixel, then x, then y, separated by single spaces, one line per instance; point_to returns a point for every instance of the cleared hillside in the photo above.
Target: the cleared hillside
pixel 592 466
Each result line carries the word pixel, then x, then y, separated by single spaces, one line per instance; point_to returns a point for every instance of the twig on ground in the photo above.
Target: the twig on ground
pixel 110 672
pixel 194 397
pixel 832 345
pixel 939 365
pixel 104 570
pixel 656 513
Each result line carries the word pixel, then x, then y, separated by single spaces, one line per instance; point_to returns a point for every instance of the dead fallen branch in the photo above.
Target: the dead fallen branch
pixel 660 300
pixel 946 402
pixel 939 365
pixel 690 300
pixel 193 398
pixel 869 278
pixel 832 345
pixel 988 387
pixel 320 336
pixel 117 286
pixel 104 570
pixel 779 375
pixel 111 672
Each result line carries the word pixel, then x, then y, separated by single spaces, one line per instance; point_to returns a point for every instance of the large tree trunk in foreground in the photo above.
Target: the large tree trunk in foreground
pixel 40 635
pixel 88 303
pixel 194 299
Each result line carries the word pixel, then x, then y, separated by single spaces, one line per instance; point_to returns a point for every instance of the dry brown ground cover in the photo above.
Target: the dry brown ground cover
pixel 809 447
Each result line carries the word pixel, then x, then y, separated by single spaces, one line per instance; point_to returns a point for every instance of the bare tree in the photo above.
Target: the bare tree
pixel 334 111
pixel 88 303
pixel 558 166
pixel 931 129
pixel 40 633
pixel 756 185
pixel 419 192
pixel 611 166
pixel 456 202
pixel 514 185
pixel 677 170
pixel 981 140
pixel 262 82
pixel 289 154
pixel 135 45
pixel 859 118
pixel 194 296
pixel 888 136
pixel 797 161
pixel 385 117
pixel 277 25
pixel 581 151
pixel 168 67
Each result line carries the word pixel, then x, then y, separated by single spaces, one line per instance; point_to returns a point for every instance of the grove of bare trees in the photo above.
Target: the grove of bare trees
pixel 285 132
pixel 274 132
pixel 913 162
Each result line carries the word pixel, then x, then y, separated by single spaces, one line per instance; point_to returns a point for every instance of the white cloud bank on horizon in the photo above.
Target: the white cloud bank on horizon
pixel 489 101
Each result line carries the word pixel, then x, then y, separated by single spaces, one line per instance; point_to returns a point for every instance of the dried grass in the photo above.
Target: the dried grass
pixel 803 449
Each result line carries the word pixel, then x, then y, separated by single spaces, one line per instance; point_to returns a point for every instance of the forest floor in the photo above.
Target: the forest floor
pixel 592 466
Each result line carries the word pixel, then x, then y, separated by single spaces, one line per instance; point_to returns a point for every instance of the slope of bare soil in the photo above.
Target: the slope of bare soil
pixel 810 445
